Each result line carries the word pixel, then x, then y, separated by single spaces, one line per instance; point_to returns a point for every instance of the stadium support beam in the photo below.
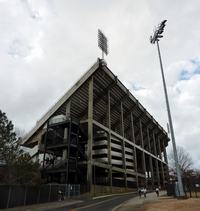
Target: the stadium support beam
pixel 134 150
pixel 163 174
pixel 156 161
pixel 143 154
pixel 66 141
pixel 161 163
pixel 166 168
pixel 150 159
pixel 164 152
pixel 90 133
pixel 159 149
pixel 109 142
pixel 123 144
pixel 99 95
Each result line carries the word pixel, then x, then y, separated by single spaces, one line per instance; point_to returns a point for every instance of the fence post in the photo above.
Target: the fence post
pixel 9 193
pixel 49 193
pixel 58 188
pixel 25 192
pixel 68 191
pixel 38 199
pixel 195 190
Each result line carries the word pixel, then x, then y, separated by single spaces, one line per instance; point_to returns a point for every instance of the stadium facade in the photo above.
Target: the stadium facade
pixel 98 133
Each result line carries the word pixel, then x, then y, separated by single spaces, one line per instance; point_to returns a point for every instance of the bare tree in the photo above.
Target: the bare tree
pixel 184 159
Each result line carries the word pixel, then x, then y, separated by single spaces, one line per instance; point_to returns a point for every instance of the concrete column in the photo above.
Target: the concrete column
pixel 123 145
pixel 164 151
pixel 64 155
pixel 66 140
pixel 166 168
pixel 159 148
pixel 45 145
pixel 109 142
pixel 38 150
pixel 161 163
pixel 68 109
pixel 90 133
pixel 163 174
pixel 156 161
pixel 143 154
pixel 150 159
pixel 134 150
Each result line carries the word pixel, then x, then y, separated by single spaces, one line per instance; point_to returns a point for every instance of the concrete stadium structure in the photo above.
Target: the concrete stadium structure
pixel 98 133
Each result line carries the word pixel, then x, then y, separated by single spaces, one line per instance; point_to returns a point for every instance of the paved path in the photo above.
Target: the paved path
pixel 123 202
pixel 104 203
pixel 45 206
pixel 99 204
pixel 136 203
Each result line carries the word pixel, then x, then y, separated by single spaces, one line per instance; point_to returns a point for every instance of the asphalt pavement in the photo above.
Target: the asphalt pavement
pixel 128 202
pixel 118 202
pixel 98 204
pixel 136 203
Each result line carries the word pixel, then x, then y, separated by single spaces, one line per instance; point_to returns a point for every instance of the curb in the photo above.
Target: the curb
pixel 42 206
pixel 115 194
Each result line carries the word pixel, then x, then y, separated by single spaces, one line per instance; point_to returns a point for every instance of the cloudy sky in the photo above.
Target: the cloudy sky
pixel 46 45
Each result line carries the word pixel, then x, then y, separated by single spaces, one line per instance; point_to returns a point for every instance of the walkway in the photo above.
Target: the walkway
pixel 45 206
pixel 136 203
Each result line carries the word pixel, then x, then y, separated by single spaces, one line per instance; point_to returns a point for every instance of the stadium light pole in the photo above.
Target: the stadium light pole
pixel 155 39
pixel 102 43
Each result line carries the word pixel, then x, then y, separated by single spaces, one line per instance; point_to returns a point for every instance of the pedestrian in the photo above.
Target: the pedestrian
pixel 145 192
pixel 157 192
pixel 139 192
pixel 60 195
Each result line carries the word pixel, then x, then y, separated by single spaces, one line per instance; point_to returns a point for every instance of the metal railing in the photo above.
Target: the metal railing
pixel 20 195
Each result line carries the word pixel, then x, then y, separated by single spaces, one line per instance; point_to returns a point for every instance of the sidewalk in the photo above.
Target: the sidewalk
pixel 136 203
pixel 45 206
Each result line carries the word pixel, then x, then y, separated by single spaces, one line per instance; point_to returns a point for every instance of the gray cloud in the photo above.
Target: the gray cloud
pixel 46 46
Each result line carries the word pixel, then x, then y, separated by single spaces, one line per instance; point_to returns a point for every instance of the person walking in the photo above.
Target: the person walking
pixel 145 192
pixel 157 192
pixel 139 192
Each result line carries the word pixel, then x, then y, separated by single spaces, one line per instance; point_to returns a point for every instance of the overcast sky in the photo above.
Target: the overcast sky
pixel 46 45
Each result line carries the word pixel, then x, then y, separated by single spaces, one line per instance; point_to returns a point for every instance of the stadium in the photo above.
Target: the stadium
pixel 98 134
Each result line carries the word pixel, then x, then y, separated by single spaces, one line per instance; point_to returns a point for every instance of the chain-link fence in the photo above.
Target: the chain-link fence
pixel 18 195
pixel 191 187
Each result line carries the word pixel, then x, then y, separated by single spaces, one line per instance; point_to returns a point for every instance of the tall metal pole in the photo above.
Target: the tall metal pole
pixel 180 184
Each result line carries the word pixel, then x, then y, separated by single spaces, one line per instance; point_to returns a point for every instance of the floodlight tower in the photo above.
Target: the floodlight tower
pixel 155 39
pixel 102 43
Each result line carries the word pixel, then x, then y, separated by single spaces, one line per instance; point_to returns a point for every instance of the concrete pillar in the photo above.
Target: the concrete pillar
pixel 164 151
pixel 45 145
pixel 163 174
pixel 156 161
pixel 90 133
pixel 143 154
pixel 161 163
pixel 159 148
pixel 109 143
pixel 150 159
pixel 166 168
pixel 38 150
pixel 123 145
pixel 66 140
pixel 64 155
pixel 134 150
